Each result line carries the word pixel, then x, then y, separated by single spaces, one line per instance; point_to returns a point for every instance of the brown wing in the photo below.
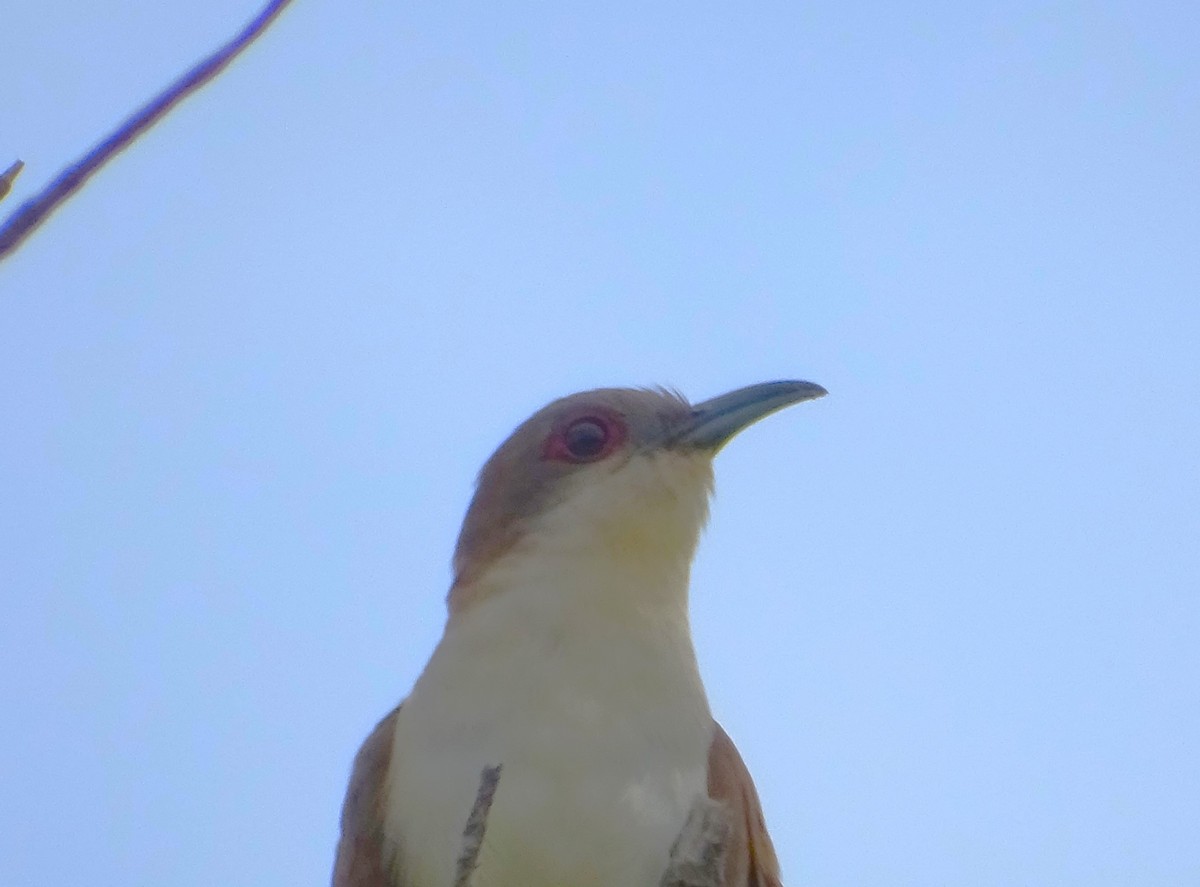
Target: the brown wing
pixel 360 858
pixel 751 860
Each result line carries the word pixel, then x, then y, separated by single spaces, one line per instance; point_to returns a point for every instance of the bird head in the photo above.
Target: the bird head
pixel 618 473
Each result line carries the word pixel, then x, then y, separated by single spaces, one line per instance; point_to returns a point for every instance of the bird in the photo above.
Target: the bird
pixel 567 660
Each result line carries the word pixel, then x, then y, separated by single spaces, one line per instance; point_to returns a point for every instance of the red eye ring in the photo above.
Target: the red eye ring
pixel 586 437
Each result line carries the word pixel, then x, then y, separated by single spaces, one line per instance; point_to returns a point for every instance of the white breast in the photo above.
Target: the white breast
pixel 603 733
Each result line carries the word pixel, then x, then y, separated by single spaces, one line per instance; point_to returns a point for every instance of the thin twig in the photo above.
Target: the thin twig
pixel 698 854
pixel 9 176
pixel 35 211
pixel 476 826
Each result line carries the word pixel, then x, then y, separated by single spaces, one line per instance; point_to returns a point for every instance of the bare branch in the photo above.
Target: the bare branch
pixel 35 211
pixel 698 854
pixel 476 826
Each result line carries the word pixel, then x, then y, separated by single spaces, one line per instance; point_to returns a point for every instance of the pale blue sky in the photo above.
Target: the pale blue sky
pixel 950 613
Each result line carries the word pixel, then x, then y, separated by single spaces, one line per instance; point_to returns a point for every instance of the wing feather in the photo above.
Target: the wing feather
pixel 751 860
pixel 360 858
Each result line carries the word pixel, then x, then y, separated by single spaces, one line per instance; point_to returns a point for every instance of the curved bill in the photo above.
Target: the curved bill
pixel 714 422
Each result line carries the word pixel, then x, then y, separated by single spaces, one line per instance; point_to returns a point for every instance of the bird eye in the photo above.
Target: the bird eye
pixel 586 438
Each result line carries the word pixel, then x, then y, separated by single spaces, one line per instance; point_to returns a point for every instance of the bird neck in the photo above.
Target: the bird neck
pixel 578 588
pixel 620 549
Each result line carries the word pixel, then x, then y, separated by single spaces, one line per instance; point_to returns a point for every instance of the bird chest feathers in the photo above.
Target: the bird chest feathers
pixel 602 733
